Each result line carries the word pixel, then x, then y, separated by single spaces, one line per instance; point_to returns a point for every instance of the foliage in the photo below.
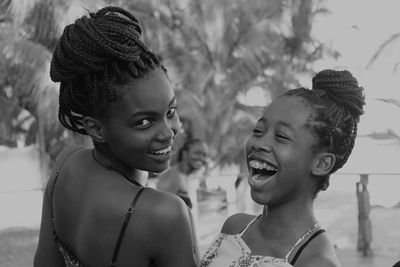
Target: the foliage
pixel 217 50
pixel 28 33
pixel 391 41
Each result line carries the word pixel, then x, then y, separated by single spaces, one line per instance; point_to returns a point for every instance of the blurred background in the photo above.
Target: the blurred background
pixel 227 59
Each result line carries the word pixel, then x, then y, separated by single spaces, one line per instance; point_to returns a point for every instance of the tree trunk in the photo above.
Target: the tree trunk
pixel 364 222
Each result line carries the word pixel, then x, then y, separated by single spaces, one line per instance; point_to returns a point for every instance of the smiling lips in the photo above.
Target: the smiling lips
pixel 161 151
pixel 162 154
pixel 260 170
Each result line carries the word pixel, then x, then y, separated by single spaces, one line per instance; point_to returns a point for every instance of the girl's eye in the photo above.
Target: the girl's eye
pixel 257 131
pixel 172 111
pixel 281 137
pixel 143 123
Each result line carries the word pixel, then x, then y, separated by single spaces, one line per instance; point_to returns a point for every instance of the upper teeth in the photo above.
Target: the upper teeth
pixel 261 165
pixel 163 151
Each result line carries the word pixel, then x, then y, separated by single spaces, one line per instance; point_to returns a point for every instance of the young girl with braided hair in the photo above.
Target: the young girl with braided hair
pixel 303 137
pixel 96 211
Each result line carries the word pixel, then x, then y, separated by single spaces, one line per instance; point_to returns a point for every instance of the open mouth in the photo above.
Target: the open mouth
pixel 161 155
pixel 161 151
pixel 261 170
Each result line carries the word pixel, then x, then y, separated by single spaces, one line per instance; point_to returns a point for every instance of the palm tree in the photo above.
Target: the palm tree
pixel 28 34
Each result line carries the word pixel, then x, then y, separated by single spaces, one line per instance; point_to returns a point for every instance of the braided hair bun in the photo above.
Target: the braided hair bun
pixel 341 88
pixel 106 46
pixel 343 104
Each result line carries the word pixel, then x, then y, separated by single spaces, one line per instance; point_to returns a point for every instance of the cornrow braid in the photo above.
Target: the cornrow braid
pixel 93 51
pixel 338 103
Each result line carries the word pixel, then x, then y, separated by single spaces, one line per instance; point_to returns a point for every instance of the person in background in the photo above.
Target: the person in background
pixel 96 211
pixel 302 137
pixel 191 158
pixel 179 180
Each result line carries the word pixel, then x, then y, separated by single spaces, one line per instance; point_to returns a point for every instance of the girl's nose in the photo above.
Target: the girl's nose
pixel 170 129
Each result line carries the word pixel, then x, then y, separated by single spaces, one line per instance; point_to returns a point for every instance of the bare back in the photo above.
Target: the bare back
pixel 89 204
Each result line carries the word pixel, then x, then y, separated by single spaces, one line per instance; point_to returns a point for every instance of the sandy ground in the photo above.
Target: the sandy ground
pixel 17 245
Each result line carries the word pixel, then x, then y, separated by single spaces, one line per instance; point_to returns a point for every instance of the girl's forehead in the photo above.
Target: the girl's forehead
pixel 151 94
pixel 288 104
pixel 288 109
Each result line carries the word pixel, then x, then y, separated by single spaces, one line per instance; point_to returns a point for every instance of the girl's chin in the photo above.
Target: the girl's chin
pixel 159 168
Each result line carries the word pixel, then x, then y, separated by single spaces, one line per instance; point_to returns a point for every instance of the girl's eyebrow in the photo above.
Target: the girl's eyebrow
pixel 173 100
pixel 151 113
pixel 287 125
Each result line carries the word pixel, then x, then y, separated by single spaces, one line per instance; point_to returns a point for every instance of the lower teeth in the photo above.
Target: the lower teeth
pixel 256 177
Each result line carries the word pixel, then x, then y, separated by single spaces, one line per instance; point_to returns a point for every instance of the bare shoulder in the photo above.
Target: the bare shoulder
pixel 61 159
pixel 164 223
pixel 319 252
pixel 236 223
pixel 164 207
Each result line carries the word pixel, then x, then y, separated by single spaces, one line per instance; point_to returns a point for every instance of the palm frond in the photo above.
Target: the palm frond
pixel 391 101
pixel 20 9
pixel 381 48
pixel 28 65
pixel 389 134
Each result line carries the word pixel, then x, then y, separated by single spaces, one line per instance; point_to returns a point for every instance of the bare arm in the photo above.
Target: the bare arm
pixel 172 242
pixel 194 236
pixel 47 253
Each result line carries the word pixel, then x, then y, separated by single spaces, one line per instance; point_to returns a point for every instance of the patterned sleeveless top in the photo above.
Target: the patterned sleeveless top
pixel 232 251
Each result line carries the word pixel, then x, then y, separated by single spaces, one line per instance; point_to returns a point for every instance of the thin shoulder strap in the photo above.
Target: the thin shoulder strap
pixel 248 225
pixel 296 256
pixel 309 232
pixel 128 214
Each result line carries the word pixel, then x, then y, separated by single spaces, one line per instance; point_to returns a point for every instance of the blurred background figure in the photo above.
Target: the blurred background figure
pixel 180 178
pixel 191 160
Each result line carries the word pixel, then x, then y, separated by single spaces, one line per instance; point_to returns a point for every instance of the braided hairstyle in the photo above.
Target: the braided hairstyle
pixel 105 47
pixel 338 102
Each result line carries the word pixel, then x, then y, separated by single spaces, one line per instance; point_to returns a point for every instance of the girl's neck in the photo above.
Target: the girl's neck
pixel 287 220
pixel 133 175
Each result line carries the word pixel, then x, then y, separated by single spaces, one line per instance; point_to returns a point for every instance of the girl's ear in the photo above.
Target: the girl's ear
pixel 324 162
pixel 94 129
